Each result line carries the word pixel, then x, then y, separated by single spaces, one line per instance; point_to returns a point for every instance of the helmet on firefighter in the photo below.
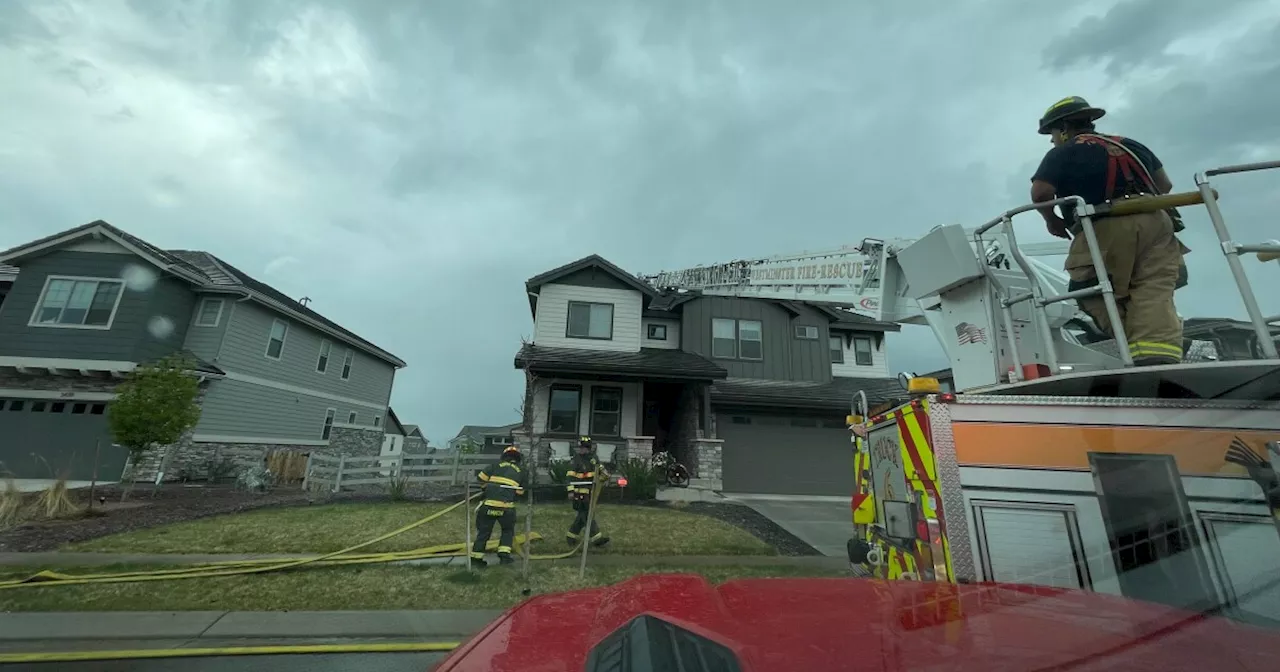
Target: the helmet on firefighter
pixel 1071 107
pixel 512 454
pixel 585 445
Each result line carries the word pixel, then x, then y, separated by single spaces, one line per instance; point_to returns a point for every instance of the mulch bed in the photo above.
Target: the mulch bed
pixel 175 503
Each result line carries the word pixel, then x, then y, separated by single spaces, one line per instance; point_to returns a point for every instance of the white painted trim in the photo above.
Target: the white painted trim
pixel 254 380
pixel 98 231
pixel 283 338
pixel 115 308
pixel 330 419
pixel 348 425
pixel 222 304
pixel 328 356
pixel 73 364
pixel 57 395
pixel 220 438
pixel 352 416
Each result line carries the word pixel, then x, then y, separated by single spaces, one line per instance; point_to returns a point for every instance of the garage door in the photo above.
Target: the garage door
pixel 46 438
pixel 785 456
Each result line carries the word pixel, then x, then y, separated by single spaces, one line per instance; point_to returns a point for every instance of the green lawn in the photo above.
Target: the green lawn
pixel 635 530
pixel 337 588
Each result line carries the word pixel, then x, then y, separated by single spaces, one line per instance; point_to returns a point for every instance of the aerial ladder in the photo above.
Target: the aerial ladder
pixel 1056 461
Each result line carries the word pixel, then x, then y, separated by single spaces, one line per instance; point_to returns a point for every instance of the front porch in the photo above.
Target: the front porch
pixel 631 405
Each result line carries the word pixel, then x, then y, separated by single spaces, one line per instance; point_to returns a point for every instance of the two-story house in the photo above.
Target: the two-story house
pixel 91 303
pixel 483 438
pixel 750 393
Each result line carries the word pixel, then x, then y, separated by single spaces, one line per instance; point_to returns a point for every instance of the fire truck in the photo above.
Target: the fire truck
pixel 1053 460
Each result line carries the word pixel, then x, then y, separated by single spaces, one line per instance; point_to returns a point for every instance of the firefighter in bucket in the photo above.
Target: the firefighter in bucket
pixel 584 471
pixel 503 482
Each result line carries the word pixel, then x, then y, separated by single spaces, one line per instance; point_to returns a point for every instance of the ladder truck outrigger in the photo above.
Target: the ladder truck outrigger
pixel 1054 461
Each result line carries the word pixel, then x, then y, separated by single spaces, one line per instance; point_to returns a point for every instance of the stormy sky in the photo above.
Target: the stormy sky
pixel 408 164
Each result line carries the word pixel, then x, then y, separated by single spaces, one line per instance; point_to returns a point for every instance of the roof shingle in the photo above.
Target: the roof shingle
pixel 647 362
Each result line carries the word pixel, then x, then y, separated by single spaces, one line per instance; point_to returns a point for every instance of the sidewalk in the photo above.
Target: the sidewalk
pixel 58 559
pixel 64 631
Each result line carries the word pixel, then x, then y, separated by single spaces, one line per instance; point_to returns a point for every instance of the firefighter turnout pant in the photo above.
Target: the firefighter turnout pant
pixel 1143 258
pixel 581 504
pixel 486 516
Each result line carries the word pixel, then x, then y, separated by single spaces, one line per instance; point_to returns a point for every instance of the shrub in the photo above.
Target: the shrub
pixel 559 471
pixel 642 478
pixel 398 488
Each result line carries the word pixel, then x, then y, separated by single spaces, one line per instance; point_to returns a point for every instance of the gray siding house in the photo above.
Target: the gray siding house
pixel 91 303
pixel 750 393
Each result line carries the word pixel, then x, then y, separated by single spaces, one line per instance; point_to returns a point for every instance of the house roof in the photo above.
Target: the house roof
pixel 842 318
pixel 410 430
pixel 648 362
pixel 206 271
pixel 835 395
pixel 591 261
pixel 395 422
pixel 481 430
pixel 7 272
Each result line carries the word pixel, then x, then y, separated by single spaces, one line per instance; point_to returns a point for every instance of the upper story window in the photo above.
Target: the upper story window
pixel 657 332
pixel 78 303
pixel 377 421
pixel 351 418
pixel 347 359
pixel 275 342
pixel 210 312
pixel 806 332
pixel 322 363
pixel 737 339
pixel 837 349
pixel 862 351
pixel 589 320
pixel 563 409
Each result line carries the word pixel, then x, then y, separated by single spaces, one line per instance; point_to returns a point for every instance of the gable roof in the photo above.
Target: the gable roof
pixel 395 422
pixel 592 261
pixel 481 430
pixel 205 271
pixel 413 430
pixel 847 319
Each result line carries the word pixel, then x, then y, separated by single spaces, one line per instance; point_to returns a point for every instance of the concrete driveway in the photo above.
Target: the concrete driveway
pixel 824 523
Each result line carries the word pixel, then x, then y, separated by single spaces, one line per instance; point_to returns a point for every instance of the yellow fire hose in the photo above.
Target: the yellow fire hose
pixel 236 567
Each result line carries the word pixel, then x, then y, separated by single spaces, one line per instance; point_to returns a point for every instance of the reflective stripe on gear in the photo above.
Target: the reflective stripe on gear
pixel 504 549
pixel 477 556
pixel 498 504
pixel 572 535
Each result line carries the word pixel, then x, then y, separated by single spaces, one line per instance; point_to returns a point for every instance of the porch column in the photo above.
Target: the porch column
pixel 705 430
pixel 709 470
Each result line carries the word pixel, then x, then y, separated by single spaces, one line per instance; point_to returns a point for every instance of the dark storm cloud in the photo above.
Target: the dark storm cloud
pixel 422 159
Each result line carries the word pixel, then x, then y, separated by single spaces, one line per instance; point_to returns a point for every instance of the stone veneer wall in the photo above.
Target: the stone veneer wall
pixel 68 383
pixel 196 458
pixel 710 460
pixel 354 440
pixel 682 440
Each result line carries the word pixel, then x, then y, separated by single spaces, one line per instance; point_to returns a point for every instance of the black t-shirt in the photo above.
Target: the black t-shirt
pixel 1080 168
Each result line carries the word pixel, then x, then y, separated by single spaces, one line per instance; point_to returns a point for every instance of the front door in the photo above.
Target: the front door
pixel 1156 548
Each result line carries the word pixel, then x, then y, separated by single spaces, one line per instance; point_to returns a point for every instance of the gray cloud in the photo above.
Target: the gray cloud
pixel 421 160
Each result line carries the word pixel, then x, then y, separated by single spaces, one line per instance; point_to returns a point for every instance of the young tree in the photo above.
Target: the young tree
pixel 155 405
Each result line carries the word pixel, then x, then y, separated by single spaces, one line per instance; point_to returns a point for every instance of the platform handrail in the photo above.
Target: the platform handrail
pixel 1232 251
pixel 1039 302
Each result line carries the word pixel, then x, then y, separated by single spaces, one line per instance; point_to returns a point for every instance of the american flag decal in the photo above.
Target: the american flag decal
pixel 968 333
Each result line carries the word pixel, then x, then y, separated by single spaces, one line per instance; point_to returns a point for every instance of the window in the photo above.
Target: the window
pixel 97 409
pixel 590 320
pixel 862 351
pixel 351 418
pixel 328 424
pixel 346 363
pixel 750 340
pixel 724 338
pixel 837 349
pixel 77 303
pixel 377 421
pixel 322 364
pixel 562 412
pixel 737 339
pixel 657 332
pixel 58 407
pixel 79 409
pixel 275 343
pixel 806 332
pixel 16 405
pixel 606 411
pixel 38 406
pixel 210 313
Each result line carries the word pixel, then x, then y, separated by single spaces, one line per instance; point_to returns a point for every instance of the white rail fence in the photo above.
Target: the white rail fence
pixel 334 472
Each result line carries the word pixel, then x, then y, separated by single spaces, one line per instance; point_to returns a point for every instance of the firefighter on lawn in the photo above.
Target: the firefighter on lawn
pixel 583 473
pixel 503 483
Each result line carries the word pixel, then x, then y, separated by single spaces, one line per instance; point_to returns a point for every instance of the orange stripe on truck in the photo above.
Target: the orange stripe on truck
pixel 1198 452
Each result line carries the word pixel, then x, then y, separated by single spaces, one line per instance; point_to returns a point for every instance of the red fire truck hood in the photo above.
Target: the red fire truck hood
pixel 865 624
